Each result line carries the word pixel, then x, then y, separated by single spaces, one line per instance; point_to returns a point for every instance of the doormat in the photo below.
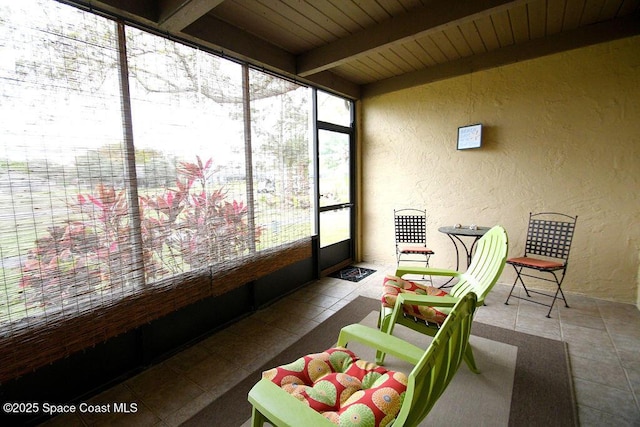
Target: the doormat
pixel 352 273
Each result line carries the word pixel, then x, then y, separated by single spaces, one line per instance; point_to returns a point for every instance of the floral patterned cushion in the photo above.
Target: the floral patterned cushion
pixel 392 286
pixel 344 389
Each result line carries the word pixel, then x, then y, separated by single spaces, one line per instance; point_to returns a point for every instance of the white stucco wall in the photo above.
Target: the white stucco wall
pixel 561 133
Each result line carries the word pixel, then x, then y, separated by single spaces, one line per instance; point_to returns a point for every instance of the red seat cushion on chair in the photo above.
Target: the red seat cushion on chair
pixel 416 250
pixel 343 388
pixel 536 263
pixel 392 286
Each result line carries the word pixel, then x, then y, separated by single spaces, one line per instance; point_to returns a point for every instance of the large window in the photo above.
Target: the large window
pixel 131 163
pixel 61 165
pixel 190 155
pixel 280 139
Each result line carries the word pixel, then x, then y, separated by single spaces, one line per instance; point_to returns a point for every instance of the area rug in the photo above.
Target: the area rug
pixel 352 273
pixel 524 379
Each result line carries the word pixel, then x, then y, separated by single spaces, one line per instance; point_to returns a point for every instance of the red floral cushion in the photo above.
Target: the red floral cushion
pixel 392 286
pixel 343 388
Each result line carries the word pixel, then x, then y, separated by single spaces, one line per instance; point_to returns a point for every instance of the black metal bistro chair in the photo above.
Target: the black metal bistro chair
pixel 546 255
pixel 411 236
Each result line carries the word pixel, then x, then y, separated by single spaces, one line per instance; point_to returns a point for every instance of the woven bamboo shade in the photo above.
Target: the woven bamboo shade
pixel 140 175
pixel 66 336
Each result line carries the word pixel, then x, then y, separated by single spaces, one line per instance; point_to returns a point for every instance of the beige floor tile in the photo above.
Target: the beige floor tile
pixel 216 369
pixel 590 417
pixel 151 379
pixel 184 360
pixel 118 405
pixel 626 342
pixel 166 400
pixel 595 352
pixel 142 416
pixel 616 310
pixel 630 359
pixel 321 300
pixel 625 325
pixel 633 375
pixel 588 319
pixel 189 409
pixel 325 315
pixel 66 420
pixel 610 400
pixel 551 333
pixel 295 325
pixel 270 335
pixel 580 334
pixel 532 323
pixel 607 372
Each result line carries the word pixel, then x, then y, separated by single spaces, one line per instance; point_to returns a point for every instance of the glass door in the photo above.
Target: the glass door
pixel 336 216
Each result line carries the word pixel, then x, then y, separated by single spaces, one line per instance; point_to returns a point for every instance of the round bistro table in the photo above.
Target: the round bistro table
pixel 457 233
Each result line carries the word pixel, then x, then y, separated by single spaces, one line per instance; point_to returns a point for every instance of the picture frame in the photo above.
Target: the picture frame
pixel 470 136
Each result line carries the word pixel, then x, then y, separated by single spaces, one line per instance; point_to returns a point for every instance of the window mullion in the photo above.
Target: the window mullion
pixel 135 233
pixel 246 106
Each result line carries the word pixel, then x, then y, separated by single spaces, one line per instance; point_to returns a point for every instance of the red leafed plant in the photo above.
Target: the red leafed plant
pixel 181 229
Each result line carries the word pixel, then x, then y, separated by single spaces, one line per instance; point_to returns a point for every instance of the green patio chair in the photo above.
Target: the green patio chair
pixel 382 402
pixel 424 308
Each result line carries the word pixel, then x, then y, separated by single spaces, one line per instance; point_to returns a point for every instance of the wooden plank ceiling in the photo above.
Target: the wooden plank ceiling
pixel 357 47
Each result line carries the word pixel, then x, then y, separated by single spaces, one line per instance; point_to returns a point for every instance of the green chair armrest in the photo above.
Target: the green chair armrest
pixel 378 340
pixel 282 409
pixel 425 271
pixel 430 300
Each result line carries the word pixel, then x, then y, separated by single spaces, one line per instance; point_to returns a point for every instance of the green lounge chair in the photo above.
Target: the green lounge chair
pixel 432 372
pixel 425 313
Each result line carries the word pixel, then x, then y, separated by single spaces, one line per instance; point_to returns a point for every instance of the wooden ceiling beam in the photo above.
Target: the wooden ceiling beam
pixel 227 39
pixel 410 26
pixel 143 10
pixel 333 83
pixel 236 43
pixel 628 26
pixel 176 15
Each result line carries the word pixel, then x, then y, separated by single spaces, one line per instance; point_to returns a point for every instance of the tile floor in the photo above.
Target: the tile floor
pixel 603 340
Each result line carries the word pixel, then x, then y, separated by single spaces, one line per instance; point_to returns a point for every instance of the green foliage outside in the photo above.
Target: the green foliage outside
pixel 83 248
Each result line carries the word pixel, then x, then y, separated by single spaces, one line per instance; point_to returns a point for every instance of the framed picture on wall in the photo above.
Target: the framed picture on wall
pixel 470 136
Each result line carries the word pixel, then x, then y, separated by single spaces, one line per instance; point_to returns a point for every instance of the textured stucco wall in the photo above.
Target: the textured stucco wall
pixel 561 133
